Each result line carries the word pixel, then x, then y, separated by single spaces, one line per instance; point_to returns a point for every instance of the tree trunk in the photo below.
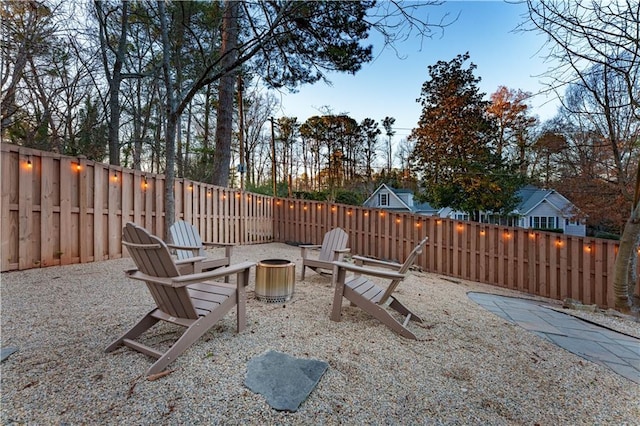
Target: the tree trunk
pixel 228 52
pixel 172 119
pixel 114 78
pixel 624 277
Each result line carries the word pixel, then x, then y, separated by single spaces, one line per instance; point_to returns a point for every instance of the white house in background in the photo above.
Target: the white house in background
pixel 538 208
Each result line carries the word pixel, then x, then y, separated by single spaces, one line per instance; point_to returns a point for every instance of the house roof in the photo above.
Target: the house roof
pixel 416 208
pixel 392 191
pixel 531 197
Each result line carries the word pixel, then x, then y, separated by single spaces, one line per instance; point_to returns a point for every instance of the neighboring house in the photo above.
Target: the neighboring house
pixel 538 208
pixel 398 200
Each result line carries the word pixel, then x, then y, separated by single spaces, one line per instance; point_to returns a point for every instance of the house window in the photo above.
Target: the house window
pixel 383 199
pixel 542 222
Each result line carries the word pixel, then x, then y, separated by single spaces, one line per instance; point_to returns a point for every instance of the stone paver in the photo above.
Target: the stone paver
pixel 616 351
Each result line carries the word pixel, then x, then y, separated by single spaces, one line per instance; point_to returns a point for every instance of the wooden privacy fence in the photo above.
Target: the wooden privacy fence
pixel 546 264
pixel 58 210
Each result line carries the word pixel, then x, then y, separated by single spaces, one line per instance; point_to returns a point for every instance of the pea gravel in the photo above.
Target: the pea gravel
pixel 469 366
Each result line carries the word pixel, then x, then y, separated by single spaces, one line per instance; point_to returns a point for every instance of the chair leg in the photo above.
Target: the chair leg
pixel 242 280
pixel 339 276
pixel 303 268
pixel 191 335
pixel 226 277
pixel 143 325
pixel 399 307
pixel 385 318
pixel 379 313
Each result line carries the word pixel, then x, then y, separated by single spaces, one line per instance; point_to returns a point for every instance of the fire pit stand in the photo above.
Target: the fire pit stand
pixel 275 279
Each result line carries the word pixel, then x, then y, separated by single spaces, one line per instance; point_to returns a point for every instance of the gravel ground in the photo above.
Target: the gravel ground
pixel 469 366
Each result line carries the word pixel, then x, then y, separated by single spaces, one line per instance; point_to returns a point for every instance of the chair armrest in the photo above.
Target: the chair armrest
pixel 184 280
pixel 216 273
pixel 361 260
pixel 305 247
pixel 228 247
pixel 339 252
pixel 189 260
pixel 368 271
pixel 218 244
pixel 194 264
pixel 194 249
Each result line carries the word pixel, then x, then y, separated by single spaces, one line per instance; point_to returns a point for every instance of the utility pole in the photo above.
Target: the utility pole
pixel 273 158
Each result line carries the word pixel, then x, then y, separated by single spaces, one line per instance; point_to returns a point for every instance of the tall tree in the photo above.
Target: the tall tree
pixel 258 108
pixel 172 118
pixel 288 130
pixel 229 56
pixel 371 132
pixel 582 35
pixel 510 110
pixel 388 123
pixel 113 59
pixel 25 27
pixel 453 144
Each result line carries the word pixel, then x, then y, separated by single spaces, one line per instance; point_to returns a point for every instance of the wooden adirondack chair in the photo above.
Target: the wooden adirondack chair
pixel 333 248
pixel 191 301
pixel 371 298
pixel 188 245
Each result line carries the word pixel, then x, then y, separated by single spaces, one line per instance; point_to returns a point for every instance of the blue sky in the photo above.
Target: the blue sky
pixel 389 86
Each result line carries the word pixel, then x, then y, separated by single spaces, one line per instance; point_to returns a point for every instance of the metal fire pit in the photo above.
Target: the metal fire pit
pixel 275 279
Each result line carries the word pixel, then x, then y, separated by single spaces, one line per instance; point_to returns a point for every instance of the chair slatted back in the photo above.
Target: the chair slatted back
pixel 152 257
pixel 404 269
pixel 336 239
pixel 185 234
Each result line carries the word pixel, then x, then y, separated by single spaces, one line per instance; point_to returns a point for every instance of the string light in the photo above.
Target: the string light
pixel 145 184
